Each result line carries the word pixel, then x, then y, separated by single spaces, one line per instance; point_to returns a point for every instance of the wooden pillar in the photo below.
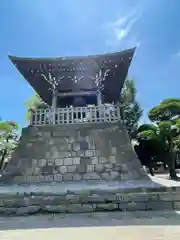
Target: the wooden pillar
pixel 99 100
pixel 54 101
pixel 54 106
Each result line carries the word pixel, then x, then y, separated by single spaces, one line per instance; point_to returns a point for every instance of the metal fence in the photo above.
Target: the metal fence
pixel 72 115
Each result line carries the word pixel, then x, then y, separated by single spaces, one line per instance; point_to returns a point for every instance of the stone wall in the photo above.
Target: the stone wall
pixel 22 200
pixel 73 153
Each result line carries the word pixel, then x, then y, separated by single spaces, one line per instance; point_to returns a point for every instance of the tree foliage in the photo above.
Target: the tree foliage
pixel 162 138
pixel 35 102
pixel 168 109
pixel 8 140
pixel 131 110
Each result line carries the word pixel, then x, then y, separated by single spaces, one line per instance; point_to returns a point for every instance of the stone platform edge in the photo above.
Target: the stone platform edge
pixel 158 194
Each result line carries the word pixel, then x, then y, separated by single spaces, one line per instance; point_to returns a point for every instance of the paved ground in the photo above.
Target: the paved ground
pixel 106 226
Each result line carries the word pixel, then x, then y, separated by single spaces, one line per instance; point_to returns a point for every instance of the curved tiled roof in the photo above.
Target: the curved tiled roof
pixel 84 67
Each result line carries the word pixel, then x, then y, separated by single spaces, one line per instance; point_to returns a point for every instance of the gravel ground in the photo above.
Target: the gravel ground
pixel 106 226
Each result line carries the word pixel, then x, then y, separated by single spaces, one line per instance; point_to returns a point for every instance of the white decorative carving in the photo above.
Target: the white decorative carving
pixel 75 79
pixel 100 78
pixel 53 81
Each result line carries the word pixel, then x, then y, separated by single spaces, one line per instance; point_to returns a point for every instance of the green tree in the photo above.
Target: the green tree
pixel 161 138
pixel 35 102
pixel 8 140
pixel 131 110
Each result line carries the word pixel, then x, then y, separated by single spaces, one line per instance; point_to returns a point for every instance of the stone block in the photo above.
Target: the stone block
pixel 41 178
pixel 20 179
pixel 65 154
pixel 84 145
pixel 122 197
pixel 106 176
pixel 42 162
pixel 23 211
pixel 108 166
pixel 48 154
pixel 153 197
pixel 99 167
pixel 34 162
pixel 50 161
pixel 95 160
pixel 59 161
pixel 81 168
pixel 73 154
pixel 47 170
pixel 64 147
pixel 77 177
pixel 176 205
pixel 56 154
pixel 76 147
pixel 115 175
pixel 47 134
pixel 1 202
pixel 68 161
pixel 52 200
pixel 112 159
pixel 57 133
pixel 68 177
pixel 63 169
pixel 98 198
pixel 132 206
pixel 13 202
pixel 77 208
pixel 138 197
pixel 31 178
pixel 71 140
pixel 80 153
pixel 91 176
pixel 76 160
pixel 90 168
pixel 8 211
pixel 94 198
pixel 71 169
pixel 97 153
pixel 55 209
pixel 159 205
pixel 36 171
pixel 103 160
pixel 114 151
pixel 72 198
pixel 49 178
pixel 58 177
pixel 89 153
pixel 105 206
pixel 169 196
pixel 35 200
pixel 124 176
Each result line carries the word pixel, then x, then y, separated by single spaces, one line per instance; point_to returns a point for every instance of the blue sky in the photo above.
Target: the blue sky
pixel 45 28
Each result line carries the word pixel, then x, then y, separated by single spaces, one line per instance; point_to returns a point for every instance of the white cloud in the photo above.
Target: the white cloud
pixel 121 31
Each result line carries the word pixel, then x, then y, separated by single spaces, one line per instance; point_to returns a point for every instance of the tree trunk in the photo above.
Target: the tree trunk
pixel 3 158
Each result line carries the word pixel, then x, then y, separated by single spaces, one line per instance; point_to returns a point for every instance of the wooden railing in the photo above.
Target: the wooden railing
pixel 72 115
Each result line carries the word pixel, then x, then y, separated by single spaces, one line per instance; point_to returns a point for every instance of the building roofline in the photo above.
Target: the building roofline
pixel 12 57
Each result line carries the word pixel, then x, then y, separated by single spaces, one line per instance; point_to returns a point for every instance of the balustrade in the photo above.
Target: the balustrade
pixel 72 115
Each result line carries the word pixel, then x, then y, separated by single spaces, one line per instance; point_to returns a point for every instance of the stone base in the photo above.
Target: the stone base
pixel 81 152
pixel 159 194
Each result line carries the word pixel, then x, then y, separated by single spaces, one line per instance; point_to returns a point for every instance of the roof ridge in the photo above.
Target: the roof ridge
pixel 71 57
